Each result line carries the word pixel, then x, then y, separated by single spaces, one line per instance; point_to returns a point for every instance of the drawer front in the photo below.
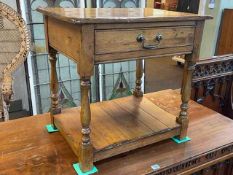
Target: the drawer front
pixel 127 40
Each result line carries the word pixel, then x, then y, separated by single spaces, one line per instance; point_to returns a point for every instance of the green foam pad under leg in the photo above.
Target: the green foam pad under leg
pixel 50 128
pixel 79 171
pixel 177 140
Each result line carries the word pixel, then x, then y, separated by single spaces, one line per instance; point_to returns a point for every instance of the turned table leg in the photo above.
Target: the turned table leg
pixel 185 96
pixel 86 150
pixel 139 72
pixel 183 78
pixel 55 109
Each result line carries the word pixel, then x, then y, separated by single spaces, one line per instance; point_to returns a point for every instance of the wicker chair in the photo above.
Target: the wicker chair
pixel 14 47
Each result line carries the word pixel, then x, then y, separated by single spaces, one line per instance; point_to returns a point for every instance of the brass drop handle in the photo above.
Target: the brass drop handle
pixel 140 38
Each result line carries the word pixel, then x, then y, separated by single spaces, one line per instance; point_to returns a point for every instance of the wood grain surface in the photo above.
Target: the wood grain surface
pixel 119 125
pixel 27 148
pixel 115 41
pixel 117 15
pixel 225 38
pixel 128 123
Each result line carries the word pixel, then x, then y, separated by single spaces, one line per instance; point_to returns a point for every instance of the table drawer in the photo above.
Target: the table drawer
pixel 127 40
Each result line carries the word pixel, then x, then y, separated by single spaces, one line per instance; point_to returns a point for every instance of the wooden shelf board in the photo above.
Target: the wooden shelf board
pixel 119 125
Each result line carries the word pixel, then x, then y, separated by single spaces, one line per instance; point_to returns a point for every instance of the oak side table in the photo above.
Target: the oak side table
pixel 94 36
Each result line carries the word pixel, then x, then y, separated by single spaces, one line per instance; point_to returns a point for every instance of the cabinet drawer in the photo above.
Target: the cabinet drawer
pixel 127 40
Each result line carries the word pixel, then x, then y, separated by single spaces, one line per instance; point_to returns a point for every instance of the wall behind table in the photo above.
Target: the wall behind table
pixel 211 29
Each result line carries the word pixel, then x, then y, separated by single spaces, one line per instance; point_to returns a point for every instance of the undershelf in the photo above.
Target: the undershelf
pixel 119 125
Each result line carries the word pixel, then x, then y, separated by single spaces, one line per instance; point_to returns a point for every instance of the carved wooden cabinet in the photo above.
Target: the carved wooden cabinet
pixel 94 36
pixel 212 84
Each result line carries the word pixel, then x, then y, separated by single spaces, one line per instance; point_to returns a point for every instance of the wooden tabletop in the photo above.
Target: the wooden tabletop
pixel 27 148
pixel 117 15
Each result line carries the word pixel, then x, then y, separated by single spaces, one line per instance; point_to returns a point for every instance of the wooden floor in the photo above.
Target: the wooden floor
pixel 119 125
pixel 27 148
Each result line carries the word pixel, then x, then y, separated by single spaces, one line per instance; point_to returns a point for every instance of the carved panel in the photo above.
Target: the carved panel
pixel 200 160
pixel 212 83
pixel 213 68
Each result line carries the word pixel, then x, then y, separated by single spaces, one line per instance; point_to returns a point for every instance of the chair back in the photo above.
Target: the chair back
pixel 14 47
